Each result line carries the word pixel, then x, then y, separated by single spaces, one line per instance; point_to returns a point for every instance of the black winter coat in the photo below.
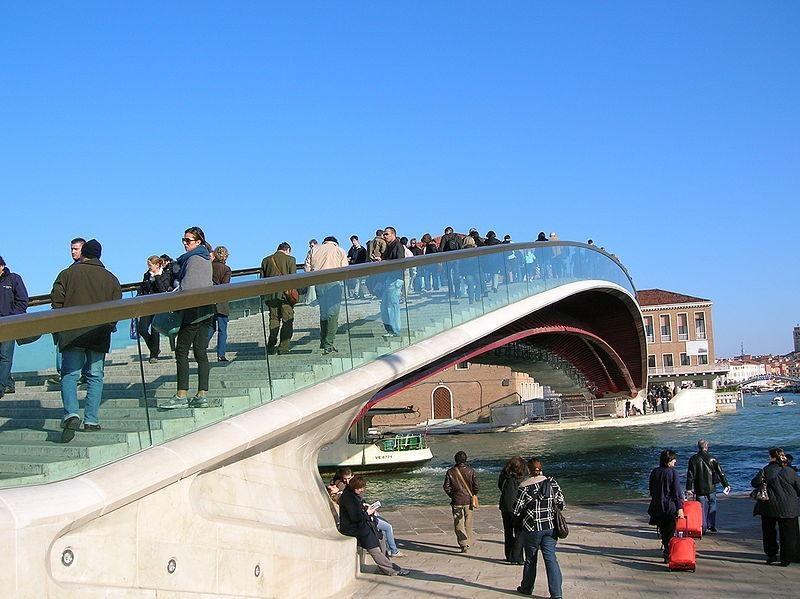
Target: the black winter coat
pixel 509 487
pixel 783 487
pixel 703 474
pixel 354 521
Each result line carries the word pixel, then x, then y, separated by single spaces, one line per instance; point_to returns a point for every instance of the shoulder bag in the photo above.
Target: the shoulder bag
pixel 562 530
pixel 760 492
pixel 473 502
pixel 290 296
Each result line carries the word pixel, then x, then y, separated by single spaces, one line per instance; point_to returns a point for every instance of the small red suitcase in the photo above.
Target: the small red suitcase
pixel 682 554
pixel 693 510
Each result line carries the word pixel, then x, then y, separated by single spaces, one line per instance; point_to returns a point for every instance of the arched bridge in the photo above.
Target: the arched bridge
pixel 225 499
pixel 769 377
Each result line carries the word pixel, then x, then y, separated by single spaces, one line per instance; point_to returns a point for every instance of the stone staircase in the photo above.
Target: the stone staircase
pixel 30 419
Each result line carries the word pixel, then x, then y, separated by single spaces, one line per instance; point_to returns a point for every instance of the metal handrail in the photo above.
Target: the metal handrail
pixel 52 321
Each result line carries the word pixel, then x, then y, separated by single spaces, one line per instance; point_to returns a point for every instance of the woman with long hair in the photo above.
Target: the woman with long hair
pixel 512 474
pixel 666 503
pixel 538 497
pixel 194 271
pixel 781 511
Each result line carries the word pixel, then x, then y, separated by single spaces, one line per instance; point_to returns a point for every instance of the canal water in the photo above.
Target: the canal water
pixel 605 464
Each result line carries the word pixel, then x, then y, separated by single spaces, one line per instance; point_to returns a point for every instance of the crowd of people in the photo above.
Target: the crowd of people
pixel 776 492
pixel 80 355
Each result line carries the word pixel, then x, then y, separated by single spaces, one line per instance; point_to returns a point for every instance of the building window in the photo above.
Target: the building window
pixel 651 361
pixel 685 361
pixel 666 360
pixel 666 329
pixel 462 366
pixel 683 327
pixel 246 312
pixel 700 325
pixel 702 359
pixel 648 329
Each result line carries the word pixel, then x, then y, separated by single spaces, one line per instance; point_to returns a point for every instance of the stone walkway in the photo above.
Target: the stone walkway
pixel 610 552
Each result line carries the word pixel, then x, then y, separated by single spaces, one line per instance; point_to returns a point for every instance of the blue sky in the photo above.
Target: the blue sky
pixel 667 132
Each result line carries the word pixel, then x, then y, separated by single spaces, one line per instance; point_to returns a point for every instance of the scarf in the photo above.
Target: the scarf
pixel 183 259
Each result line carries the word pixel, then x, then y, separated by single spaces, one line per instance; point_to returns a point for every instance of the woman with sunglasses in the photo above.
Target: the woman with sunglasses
pixel 193 271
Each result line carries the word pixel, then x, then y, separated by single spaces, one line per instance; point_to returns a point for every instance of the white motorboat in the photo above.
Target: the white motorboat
pixel 365 449
pixel 779 401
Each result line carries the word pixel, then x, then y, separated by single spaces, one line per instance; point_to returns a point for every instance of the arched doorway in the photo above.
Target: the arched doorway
pixel 442 400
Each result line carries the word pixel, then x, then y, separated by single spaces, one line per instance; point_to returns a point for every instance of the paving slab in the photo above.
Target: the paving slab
pixel 611 552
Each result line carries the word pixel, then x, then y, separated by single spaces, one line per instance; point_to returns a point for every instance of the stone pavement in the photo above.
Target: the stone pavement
pixel 611 552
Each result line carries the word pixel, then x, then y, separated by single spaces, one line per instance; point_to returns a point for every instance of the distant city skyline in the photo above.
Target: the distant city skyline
pixel 670 134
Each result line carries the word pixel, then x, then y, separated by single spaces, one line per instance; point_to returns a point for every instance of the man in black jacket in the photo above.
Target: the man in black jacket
pixel 702 476
pixel 354 521
pixel 13 300
pixel 87 282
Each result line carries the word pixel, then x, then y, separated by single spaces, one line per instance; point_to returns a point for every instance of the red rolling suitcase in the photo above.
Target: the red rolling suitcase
pixel 682 550
pixel 693 510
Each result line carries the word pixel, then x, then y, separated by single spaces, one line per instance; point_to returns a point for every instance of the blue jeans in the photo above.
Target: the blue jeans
pixel 72 362
pixel 709 503
pixel 390 306
pixel 221 325
pixel 6 358
pixel 532 542
pixel 388 534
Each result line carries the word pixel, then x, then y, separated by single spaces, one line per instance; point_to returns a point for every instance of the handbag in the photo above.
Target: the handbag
pixel 290 296
pixel 559 521
pixel 760 492
pixel 167 323
pixel 473 501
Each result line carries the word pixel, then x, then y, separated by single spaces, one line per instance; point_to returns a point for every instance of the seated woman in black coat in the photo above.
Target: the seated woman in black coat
pixel 781 511
pixel 354 521
pixel 666 503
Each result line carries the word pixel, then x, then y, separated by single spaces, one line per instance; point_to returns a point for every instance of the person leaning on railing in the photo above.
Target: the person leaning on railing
pixel 86 282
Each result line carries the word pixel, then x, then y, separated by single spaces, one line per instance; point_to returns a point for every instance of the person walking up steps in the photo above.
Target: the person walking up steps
pixel 461 486
pixel 281 312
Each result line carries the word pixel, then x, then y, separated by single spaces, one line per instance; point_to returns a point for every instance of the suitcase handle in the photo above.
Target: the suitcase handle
pixel 686 522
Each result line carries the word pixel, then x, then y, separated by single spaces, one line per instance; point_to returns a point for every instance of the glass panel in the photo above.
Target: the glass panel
pixel 466 297
pixel 93 388
pixel 378 324
pixel 493 282
pixel 514 263
pixel 428 312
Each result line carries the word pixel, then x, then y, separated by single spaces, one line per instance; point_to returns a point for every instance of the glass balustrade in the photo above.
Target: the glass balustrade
pixel 168 374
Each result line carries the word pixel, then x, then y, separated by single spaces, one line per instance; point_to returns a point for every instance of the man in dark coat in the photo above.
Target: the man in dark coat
pixel 460 484
pixel 281 312
pixel 354 521
pixel 702 476
pixel 13 300
pixel 87 282
pixel 781 511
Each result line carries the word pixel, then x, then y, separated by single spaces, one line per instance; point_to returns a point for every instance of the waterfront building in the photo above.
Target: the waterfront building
pixel 680 338
pixel 742 370
pixel 466 392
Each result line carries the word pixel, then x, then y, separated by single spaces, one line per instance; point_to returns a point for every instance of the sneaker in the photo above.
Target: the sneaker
pixel 70 425
pixel 403 572
pixel 222 359
pixel 465 549
pixel 198 402
pixel 91 427
pixel 53 380
pixel 174 402
pixel 153 360
pixel 9 390
pixel 398 554
pixel 521 592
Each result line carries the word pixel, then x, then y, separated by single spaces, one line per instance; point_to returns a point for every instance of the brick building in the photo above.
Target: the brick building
pixel 465 392
pixel 680 337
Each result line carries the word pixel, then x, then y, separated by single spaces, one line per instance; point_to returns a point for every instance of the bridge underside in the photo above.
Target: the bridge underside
pixel 597 332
